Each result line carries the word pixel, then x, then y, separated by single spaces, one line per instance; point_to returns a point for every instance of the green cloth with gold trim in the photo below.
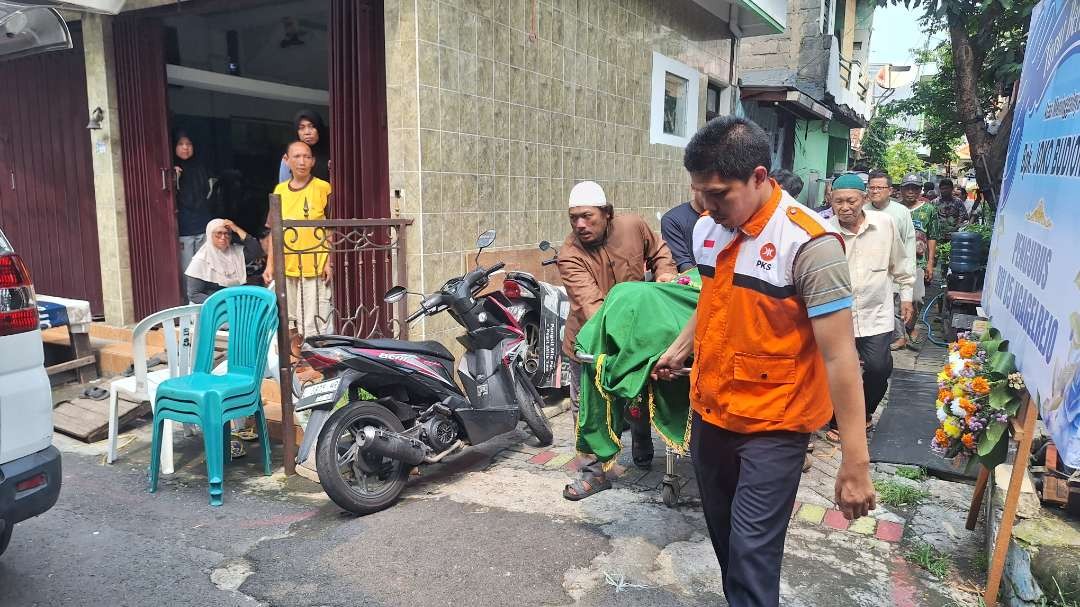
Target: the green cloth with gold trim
pixel 627 335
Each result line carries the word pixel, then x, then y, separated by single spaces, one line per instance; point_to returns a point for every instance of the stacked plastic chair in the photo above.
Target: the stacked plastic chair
pixel 212 401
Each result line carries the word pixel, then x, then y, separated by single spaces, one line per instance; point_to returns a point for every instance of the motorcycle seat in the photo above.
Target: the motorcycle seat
pixel 424 348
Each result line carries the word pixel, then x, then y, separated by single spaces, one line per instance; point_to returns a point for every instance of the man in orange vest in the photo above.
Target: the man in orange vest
pixel 773 357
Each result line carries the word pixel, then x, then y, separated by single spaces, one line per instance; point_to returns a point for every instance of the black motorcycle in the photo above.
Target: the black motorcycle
pixel 412 412
pixel 541 309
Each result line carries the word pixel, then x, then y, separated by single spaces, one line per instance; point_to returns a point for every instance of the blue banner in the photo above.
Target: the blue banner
pixel 1032 289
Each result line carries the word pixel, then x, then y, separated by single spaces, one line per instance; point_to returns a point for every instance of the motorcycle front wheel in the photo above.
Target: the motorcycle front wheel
pixel 358 482
pixel 531 406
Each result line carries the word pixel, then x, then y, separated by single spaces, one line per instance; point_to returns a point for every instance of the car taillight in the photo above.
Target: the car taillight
pixel 13 272
pixel 511 289
pixel 18 307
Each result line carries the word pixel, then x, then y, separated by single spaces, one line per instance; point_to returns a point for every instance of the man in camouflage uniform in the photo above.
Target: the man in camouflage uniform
pixel 952 214
pixel 924 217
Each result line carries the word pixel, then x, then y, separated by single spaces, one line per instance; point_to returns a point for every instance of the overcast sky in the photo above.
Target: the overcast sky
pixel 896 32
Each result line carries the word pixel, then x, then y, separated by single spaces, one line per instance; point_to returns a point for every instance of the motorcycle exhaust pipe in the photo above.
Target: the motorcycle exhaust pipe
pixel 392 445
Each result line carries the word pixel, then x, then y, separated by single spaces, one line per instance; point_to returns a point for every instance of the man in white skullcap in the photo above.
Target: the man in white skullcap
pixel 601 251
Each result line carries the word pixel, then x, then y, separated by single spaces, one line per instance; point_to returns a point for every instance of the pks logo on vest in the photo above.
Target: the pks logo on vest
pixel 767 253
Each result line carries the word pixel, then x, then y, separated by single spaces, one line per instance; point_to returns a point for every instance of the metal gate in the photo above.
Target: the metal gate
pixel 364 254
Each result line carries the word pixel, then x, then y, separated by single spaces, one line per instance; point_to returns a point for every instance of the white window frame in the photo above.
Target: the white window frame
pixel 660 68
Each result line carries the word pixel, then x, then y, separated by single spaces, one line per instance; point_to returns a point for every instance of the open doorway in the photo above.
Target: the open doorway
pixel 237 77
pixel 234 73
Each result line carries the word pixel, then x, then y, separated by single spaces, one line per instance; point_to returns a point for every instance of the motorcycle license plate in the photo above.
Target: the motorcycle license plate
pixel 322 391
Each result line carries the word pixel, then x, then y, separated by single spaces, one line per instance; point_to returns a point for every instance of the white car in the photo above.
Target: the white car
pixel 29 463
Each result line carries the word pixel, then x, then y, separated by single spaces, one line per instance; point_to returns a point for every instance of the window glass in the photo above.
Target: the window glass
pixel 675 97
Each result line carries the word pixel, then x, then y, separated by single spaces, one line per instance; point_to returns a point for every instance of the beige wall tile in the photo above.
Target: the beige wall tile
pixel 507 117
pixel 428 21
pixel 450 26
pixel 429 64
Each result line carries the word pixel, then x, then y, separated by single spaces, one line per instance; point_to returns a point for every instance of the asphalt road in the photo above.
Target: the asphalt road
pixel 281 542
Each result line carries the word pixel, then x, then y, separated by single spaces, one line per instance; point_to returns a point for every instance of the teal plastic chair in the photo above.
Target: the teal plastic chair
pixel 212 401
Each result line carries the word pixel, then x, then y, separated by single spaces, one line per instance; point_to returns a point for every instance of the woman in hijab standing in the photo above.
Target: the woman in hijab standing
pixel 220 263
pixel 311 130
pixel 195 205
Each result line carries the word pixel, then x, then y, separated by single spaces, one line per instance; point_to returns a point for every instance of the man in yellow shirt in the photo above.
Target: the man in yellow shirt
pixel 307 268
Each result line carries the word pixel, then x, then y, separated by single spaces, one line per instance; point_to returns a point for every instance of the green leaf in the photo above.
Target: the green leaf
pixel 1006 4
pixel 996 454
pixel 1001 396
pixel 992 345
pixel 993 435
pixel 1003 362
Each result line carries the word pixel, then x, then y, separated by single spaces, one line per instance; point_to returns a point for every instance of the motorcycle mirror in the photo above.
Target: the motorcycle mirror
pixel 486 239
pixel 545 245
pixel 395 294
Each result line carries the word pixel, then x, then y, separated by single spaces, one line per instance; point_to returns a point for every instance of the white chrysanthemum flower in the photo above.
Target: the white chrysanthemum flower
pixel 941 415
pixel 956 409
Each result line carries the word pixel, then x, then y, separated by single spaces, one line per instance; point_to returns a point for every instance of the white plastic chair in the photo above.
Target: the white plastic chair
pixel 178 328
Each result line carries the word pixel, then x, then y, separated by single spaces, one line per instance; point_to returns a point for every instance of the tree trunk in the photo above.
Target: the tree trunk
pixel 968 107
pixel 993 171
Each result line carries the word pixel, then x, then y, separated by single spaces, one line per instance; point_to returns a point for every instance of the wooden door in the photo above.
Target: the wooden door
pixel 147 161
pixel 46 173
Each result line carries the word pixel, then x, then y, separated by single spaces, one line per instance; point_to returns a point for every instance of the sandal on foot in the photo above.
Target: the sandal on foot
pixel 247 434
pixel 236 449
pixel 584 487
pixel 833 435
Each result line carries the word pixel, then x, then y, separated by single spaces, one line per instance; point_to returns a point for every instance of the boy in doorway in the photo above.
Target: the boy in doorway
pixel 308 272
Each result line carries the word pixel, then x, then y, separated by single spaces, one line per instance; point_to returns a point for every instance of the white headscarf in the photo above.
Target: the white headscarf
pixel 226 268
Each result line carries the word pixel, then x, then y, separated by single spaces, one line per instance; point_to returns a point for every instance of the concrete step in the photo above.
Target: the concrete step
pixel 106 332
pixel 116 357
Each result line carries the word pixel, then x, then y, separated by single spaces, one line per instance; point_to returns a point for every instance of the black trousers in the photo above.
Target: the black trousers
pixel 877 365
pixel 748 484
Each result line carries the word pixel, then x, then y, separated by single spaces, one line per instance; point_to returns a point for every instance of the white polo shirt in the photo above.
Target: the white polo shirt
pixel 876 259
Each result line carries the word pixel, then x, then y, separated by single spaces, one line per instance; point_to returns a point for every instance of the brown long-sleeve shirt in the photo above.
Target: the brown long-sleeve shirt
pixel 588 273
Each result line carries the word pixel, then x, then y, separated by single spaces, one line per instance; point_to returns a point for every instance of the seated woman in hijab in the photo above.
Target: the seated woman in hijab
pixel 220 263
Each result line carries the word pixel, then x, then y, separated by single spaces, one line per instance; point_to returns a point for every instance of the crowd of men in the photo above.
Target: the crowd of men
pixel 798 315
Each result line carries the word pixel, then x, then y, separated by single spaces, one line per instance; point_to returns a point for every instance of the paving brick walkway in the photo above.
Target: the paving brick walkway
pixel 814 506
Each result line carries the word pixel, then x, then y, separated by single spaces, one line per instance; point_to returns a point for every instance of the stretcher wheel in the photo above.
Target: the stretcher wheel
pixel 670 494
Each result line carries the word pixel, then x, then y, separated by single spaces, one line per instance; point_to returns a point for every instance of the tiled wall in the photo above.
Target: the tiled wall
pixel 497 107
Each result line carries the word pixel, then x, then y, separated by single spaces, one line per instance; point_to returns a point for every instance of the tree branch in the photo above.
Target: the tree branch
pixel 987 21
